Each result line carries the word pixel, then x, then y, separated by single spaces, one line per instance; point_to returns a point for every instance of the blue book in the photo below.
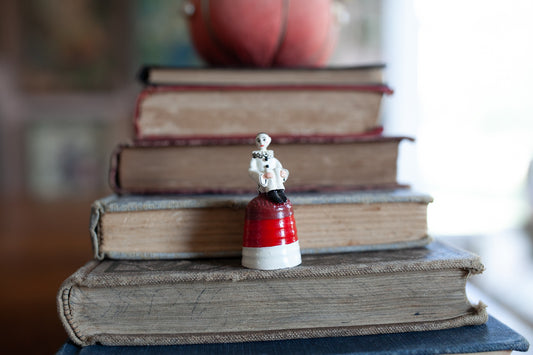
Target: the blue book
pixel 489 337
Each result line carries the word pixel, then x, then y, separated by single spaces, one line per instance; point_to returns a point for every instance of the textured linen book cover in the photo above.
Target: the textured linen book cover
pixel 486 338
pixel 212 225
pixel 217 300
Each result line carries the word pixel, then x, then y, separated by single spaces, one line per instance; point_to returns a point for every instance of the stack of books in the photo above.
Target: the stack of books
pixel 167 270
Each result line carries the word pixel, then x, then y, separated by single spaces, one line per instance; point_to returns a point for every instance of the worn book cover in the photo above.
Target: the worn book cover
pixel 178 111
pixel 216 165
pixel 217 300
pixel 185 226
pixel 488 338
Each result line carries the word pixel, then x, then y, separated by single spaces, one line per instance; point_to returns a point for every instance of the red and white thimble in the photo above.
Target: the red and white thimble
pixel 270 239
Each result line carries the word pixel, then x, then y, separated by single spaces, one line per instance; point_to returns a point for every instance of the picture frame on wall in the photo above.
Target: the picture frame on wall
pixel 66 158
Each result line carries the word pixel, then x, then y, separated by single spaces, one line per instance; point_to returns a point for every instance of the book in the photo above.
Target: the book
pixel 168 75
pixel 184 226
pixel 165 302
pixel 217 165
pixel 488 338
pixel 235 102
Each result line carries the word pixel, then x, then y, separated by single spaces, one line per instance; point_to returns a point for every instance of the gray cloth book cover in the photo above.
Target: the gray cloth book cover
pixel 182 226
pixel 216 300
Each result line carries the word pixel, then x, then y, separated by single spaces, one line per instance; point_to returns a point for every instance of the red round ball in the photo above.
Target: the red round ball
pixel 263 33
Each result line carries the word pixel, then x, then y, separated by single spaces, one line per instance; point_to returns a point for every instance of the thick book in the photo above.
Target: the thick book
pixel 167 75
pixel 185 226
pixel 243 102
pixel 492 337
pixel 220 165
pixel 165 302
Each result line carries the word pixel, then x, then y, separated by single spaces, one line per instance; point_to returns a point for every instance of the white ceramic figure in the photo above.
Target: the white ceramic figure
pixel 270 237
pixel 267 171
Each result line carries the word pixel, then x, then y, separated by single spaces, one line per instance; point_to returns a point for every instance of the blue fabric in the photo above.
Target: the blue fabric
pixel 492 336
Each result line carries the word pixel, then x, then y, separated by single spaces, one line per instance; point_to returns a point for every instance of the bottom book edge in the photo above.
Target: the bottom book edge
pixel 476 316
pixel 492 337
pixel 185 255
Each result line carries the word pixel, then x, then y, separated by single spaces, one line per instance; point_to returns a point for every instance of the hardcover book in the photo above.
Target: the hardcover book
pixel 273 104
pixel 165 75
pixel 169 302
pixel 492 337
pixel 180 226
pixel 217 165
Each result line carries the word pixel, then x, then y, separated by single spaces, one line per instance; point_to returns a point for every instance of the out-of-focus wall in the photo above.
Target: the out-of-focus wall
pixel 67 96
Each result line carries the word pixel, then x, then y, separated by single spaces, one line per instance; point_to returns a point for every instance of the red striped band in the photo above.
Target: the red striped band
pixel 269 232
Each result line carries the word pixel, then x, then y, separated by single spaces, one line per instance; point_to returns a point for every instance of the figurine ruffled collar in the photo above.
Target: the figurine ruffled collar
pixel 263 154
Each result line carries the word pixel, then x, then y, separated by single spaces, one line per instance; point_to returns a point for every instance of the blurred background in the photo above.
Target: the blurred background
pixel 461 71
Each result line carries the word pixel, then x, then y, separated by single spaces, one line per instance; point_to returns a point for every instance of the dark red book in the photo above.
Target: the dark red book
pixel 240 102
pixel 220 165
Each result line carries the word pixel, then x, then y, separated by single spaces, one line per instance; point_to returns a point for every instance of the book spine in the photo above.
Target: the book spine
pixel 137 114
pixel 114 163
pixel 64 305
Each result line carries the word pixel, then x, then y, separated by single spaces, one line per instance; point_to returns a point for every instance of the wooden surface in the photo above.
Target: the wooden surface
pixel 41 245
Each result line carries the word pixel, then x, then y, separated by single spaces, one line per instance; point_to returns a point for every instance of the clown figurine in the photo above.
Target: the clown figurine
pixel 270 239
pixel 267 170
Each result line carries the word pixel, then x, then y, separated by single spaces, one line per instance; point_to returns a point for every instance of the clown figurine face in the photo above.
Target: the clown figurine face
pixel 262 141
